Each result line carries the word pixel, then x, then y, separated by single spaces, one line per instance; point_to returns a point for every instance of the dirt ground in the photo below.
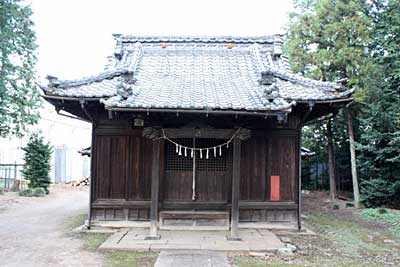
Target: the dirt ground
pixel 34 231
pixel 345 236
pixel 37 232
pixel 343 239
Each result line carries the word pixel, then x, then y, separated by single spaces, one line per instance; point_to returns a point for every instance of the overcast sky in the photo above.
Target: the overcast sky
pixel 74 36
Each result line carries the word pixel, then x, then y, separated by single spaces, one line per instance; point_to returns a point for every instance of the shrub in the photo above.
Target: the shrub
pixel 1 191
pixel 25 193
pixel 335 206
pixel 370 213
pixel 396 194
pixel 382 211
pixel 349 204
pixel 376 193
pixel 38 192
pixel 37 162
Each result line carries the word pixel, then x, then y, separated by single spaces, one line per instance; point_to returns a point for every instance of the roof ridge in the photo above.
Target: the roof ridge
pixel 293 77
pixel 199 38
pixel 108 74
pixel 286 75
pixel 129 65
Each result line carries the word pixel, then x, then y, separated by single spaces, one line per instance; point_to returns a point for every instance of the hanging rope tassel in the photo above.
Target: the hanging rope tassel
pixel 180 151
pixel 177 148
pixel 215 152
pixel 194 188
pixel 227 145
pixel 191 152
pixel 185 151
pixel 201 154
pixel 207 154
pixel 220 150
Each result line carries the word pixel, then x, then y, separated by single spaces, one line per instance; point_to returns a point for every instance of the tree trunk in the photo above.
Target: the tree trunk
pixel 354 175
pixel 331 161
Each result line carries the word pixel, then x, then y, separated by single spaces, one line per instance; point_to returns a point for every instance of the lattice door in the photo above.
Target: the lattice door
pixel 212 176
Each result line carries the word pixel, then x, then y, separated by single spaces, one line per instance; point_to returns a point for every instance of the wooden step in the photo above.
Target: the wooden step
pixel 194 220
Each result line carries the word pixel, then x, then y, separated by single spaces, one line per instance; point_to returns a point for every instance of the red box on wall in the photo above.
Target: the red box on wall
pixel 275 188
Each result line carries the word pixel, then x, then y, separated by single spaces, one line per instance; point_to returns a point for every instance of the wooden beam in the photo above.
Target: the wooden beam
pixel 118 131
pixel 198 132
pixel 234 235
pixel 188 132
pixel 185 205
pixel 155 184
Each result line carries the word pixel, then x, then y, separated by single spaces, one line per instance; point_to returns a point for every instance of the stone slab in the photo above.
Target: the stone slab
pixel 251 240
pixel 192 259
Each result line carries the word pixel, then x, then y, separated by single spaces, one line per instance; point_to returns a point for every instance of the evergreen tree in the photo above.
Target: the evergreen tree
pixel 19 97
pixel 380 136
pixel 328 40
pixel 37 162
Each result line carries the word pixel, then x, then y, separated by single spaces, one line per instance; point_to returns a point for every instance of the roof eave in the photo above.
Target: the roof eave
pixel 265 113
pixel 330 101
pixel 58 97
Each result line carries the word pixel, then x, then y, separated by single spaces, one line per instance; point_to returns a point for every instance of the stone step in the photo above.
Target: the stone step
pixel 194 220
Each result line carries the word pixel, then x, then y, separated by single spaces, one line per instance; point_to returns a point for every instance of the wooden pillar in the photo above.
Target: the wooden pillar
pixel 155 184
pixel 234 235
pixel 93 175
pixel 299 183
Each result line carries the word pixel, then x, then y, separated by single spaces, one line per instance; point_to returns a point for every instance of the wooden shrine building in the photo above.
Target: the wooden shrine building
pixel 198 132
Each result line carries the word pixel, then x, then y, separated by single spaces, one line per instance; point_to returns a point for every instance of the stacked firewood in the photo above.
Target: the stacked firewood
pixel 84 181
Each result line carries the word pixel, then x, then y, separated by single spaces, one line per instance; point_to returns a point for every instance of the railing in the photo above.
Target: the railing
pixel 9 173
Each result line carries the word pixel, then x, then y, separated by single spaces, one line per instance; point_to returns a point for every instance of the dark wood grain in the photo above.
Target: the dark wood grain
pixel 235 189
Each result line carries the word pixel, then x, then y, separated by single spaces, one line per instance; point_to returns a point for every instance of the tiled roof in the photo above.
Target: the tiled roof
pixel 207 73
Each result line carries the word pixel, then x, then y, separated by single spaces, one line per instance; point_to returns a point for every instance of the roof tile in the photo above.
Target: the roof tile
pixel 199 73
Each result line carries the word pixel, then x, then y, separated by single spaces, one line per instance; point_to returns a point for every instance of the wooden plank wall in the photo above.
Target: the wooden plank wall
pixel 122 181
pixel 265 155
pixel 253 179
pixel 122 174
pixel 123 167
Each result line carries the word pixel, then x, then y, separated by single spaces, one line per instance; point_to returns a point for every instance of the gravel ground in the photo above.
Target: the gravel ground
pixel 33 231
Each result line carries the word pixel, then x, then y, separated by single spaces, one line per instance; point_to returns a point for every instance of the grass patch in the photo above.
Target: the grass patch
pixel 300 261
pixel 350 237
pixel 130 259
pixel 381 214
pixel 75 221
pixel 385 216
pixel 360 264
pixel 91 241
pixel 246 261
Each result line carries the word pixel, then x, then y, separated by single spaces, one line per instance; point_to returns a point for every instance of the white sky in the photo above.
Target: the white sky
pixel 74 36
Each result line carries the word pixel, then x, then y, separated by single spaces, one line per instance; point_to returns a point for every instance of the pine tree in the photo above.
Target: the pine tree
pixel 37 162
